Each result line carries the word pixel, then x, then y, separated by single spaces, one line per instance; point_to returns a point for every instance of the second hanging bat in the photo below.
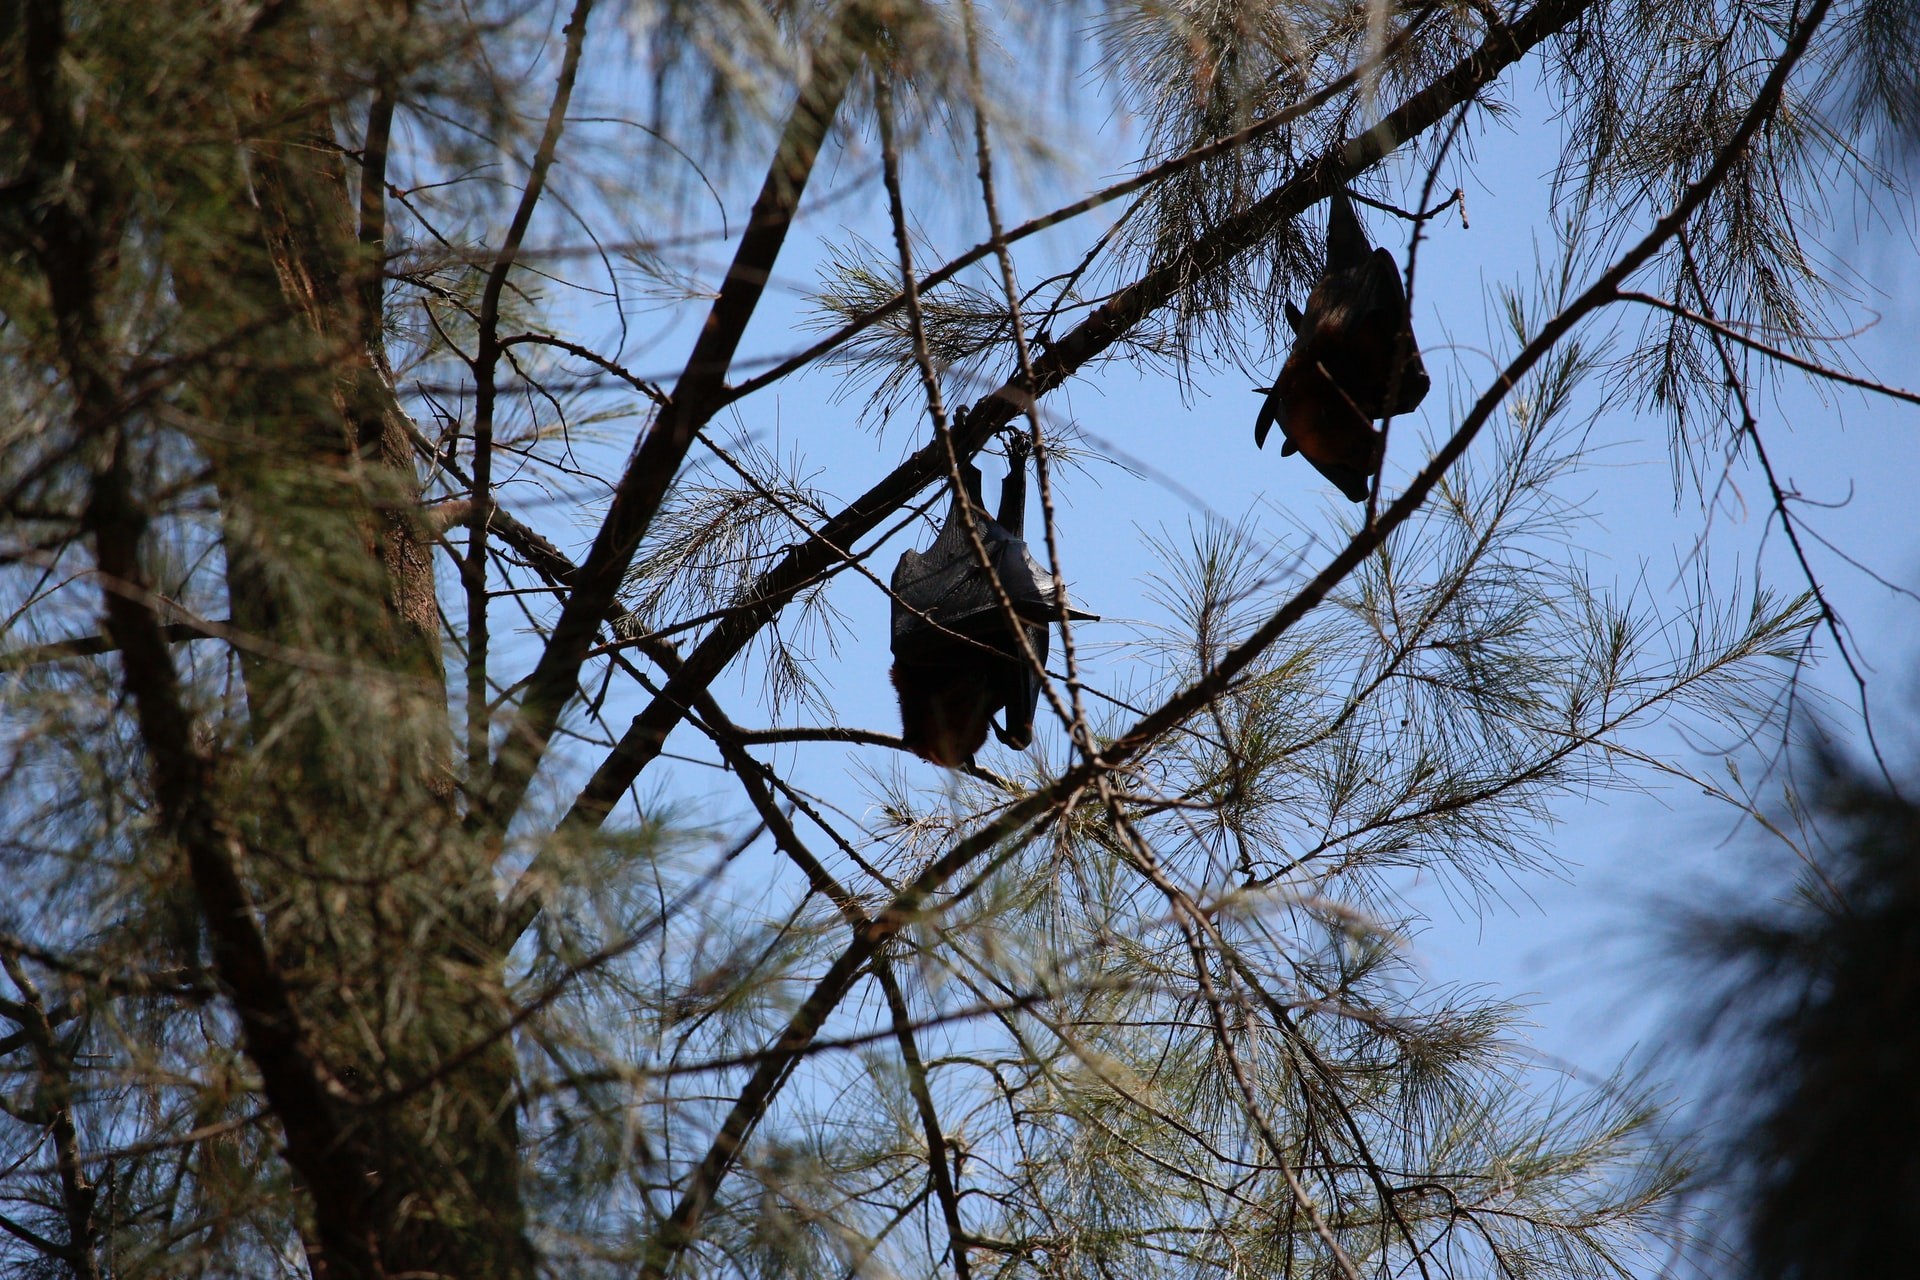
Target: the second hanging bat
pixel 1340 374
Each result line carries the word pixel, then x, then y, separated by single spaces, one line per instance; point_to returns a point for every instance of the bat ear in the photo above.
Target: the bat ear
pixel 1288 449
pixel 1273 410
pixel 1294 318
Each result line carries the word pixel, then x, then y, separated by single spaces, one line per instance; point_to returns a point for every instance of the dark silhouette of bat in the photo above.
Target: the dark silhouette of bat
pixel 956 659
pixel 1340 374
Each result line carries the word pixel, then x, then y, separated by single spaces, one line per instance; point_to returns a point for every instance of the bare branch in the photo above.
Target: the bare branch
pixel 695 398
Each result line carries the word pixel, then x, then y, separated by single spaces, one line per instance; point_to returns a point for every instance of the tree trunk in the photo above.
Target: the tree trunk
pixel 372 900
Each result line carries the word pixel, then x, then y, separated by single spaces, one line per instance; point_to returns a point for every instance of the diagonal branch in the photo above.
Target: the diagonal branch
pixel 695 398
pixel 1750 428
pixel 1814 367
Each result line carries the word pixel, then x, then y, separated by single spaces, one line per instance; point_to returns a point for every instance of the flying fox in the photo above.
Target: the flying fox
pixel 956 659
pixel 1341 373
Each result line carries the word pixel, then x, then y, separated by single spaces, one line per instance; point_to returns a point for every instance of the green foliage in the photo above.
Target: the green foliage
pixel 357 568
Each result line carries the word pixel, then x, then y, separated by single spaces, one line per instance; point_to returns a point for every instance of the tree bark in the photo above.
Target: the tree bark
pixel 371 898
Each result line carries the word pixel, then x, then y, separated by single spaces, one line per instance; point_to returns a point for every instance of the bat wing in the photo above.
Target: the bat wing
pixel 1034 591
pixel 1019 691
pixel 1273 409
pixel 1321 420
pixel 1387 309
pixel 947 585
pixel 1029 587
pixel 940 587
pixel 1359 298
pixel 1357 321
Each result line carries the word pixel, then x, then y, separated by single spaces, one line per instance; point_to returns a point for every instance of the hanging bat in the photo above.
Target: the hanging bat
pixel 956 659
pixel 1340 374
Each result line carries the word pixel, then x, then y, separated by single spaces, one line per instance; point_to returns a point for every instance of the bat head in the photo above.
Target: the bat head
pixel 1351 482
pixel 944 711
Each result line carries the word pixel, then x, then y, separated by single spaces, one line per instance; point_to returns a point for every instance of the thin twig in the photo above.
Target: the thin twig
pixel 938 1171
pixel 78 1195
pixel 473 569
pixel 1750 428
pixel 1814 367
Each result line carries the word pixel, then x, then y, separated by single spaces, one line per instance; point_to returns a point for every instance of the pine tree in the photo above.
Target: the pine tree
pixel 1812 1026
pixel 394 892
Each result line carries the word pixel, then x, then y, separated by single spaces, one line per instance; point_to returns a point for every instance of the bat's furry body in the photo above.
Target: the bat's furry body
pixel 957 660
pixel 1340 374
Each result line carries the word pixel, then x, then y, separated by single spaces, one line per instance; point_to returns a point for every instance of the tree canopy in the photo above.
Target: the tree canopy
pixel 437 846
